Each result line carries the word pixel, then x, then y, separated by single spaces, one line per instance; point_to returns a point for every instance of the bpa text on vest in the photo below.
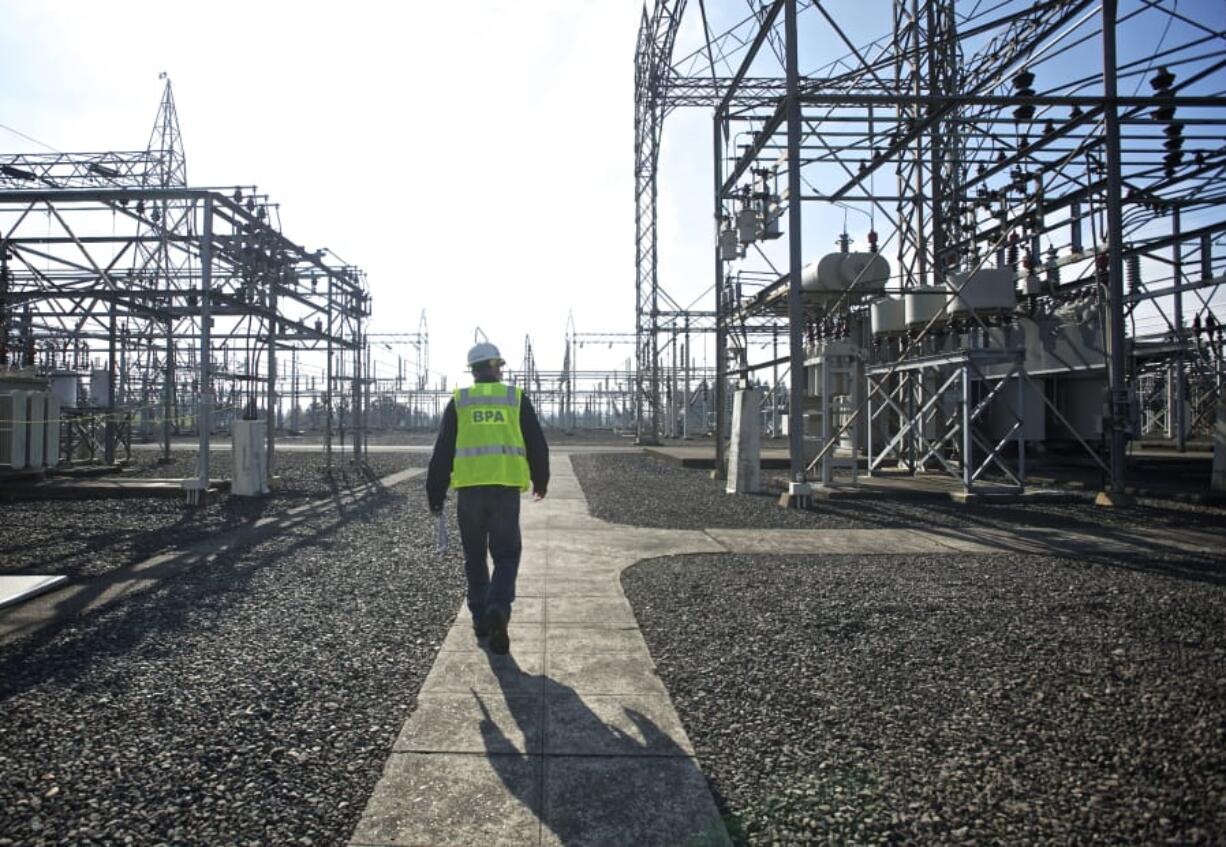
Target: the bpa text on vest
pixel 488 416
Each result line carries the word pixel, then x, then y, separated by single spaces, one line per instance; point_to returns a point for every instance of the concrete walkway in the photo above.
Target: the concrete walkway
pixel 573 739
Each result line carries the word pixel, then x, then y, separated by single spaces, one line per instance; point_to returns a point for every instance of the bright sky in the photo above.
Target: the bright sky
pixel 474 159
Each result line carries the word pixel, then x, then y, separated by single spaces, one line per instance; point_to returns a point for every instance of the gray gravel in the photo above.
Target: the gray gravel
pixel 951 699
pixel 641 491
pixel 93 536
pixel 254 702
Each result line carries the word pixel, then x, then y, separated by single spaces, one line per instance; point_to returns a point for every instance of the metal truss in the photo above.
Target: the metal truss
pixel 938 404
pixel 182 298
pixel 652 64
pixel 1015 135
pixel 79 170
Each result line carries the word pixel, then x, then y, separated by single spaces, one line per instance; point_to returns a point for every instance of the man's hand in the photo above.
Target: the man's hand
pixel 538 494
pixel 435 508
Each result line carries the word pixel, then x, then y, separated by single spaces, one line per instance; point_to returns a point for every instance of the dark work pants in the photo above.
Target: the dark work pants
pixel 489 522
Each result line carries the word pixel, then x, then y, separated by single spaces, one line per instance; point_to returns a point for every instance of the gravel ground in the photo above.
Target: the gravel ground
pixel 254 702
pixel 92 536
pixel 642 491
pixel 952 699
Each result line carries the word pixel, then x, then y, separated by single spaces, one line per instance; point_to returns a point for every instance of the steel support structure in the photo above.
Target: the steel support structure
pixel 940 402
pixel 190 292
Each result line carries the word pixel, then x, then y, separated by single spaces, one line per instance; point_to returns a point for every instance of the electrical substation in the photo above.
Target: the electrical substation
pixel 1037 228
pixel 897 516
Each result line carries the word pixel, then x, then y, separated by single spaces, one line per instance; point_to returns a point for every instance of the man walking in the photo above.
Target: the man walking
pixel 489 448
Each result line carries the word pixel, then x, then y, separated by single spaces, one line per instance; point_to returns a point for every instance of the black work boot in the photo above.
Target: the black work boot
pixel 481 628
pixel 496 621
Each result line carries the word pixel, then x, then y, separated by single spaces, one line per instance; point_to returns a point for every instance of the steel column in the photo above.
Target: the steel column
pixel 721 333
pixel 796 442
pixel 1117 376
pixel 204 402
pixel 1180 412
pixel 272 398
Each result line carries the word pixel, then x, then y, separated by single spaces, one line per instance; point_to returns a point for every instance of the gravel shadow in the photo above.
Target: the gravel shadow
pixel 92 536
pixel 252 701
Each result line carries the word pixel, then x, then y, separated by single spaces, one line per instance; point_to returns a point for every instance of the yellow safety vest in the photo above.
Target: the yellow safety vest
pixel 489 444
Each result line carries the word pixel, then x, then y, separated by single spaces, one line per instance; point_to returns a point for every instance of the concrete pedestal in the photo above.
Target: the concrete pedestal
pixel 745 451
pixel 250 459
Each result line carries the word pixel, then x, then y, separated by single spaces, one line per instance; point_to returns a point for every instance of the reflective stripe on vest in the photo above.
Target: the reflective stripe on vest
pixel 467 398
pixel 492 450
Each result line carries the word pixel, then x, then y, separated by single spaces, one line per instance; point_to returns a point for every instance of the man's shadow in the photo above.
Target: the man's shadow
pixel 595 767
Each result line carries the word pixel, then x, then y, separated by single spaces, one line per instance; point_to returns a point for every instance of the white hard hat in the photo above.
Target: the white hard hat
pixel 484 352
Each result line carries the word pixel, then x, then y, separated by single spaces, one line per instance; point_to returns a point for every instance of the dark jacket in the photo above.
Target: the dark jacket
pixel 439 477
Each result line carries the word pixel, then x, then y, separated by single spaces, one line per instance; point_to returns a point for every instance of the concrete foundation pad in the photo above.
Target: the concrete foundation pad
pixel 38 613
pixel 795 501
pixel 16 588
pixel 641 801
pixel 492 799
pixel 837 492
pixel 1036 496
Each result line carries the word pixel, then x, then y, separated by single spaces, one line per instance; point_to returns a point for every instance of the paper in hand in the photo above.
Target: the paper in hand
pixel 442 532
